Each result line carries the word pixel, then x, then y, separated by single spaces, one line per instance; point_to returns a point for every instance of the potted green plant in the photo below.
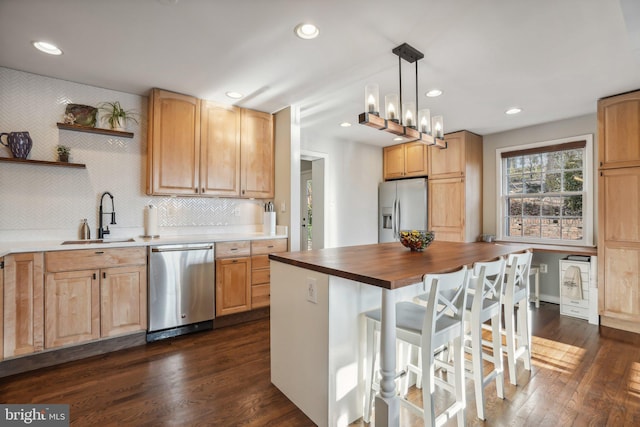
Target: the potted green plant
pixel 63 153
pixel 116 116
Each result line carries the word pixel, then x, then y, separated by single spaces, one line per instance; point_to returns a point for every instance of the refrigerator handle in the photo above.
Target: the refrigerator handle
pixel 398 224
pixel 393 219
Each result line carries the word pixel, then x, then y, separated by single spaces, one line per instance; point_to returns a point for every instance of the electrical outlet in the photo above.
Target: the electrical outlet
pixel 312 292
pixel 283 207
pixel 543 268
pixel 236 211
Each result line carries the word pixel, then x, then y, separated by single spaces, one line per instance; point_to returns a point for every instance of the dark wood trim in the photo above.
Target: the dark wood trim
pixel 546 149
pixel 53 357
pixel 42 162
pixel 99 131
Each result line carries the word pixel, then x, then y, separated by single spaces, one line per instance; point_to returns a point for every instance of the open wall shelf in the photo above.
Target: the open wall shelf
pixel 42 162
pixel 100 131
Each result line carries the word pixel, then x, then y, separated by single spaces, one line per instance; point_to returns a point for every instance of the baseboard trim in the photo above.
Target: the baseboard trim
pixel 44 359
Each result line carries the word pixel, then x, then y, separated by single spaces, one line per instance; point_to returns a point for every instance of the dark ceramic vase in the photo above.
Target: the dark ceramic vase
pixel 19 143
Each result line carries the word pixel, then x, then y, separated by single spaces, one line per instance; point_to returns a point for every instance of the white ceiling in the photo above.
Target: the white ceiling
pixel 552 58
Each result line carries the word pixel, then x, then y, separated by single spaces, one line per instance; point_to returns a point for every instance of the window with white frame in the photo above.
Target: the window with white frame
pixel 546 192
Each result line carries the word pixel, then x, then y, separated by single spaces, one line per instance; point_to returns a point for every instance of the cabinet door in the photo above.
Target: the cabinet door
pixel 446 209
pixel 619 131
pixel 449 162
pixel 619 194
pixel 619 295
pixel 393 161
pixel 23 303
pixel 72 308
pixel 257 159
pixel 123 297
pixel 219 150
pixel 1 308
pixel 173 143
pixel 416 159
pixel 233 285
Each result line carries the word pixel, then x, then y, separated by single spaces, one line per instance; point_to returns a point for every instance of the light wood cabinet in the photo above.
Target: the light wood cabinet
pixel 257 155
pixel 219 150
pixel 619 248
pixel 455 188
pixel 123 299
pixel 202 148
pixel 173 149
pixel 619 131
pixel 23 303
pixel 260 269
pixel 233 277
pixel 71 308
pixel 95 294
pixel 447 215
pixel 405 160
pixel 1 308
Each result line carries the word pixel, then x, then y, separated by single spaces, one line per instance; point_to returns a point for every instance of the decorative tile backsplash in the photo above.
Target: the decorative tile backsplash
pixel 37 199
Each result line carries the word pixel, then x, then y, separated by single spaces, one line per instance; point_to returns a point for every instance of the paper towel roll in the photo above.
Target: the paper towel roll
pixel 150 221
pixel 269 224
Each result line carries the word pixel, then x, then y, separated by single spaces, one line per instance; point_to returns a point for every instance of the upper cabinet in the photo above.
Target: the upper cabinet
pixel 257 155
pixel 619 131
pixel 174 144
pixel 405 160
pixel 461 153
pixel 198 147
pixel 219 150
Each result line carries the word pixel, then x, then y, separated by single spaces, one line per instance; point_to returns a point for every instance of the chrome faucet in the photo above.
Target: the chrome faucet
pixel 102 230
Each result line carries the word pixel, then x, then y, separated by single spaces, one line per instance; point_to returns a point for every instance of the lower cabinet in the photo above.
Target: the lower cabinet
pixel 71 307
pixel 23 304
pixel 233 277
pixel 123 299
pixel 91 294
pixel 260 271
pixel 1 308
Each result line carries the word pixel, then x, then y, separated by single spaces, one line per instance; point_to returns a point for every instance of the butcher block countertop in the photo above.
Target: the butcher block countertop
pixel 391 265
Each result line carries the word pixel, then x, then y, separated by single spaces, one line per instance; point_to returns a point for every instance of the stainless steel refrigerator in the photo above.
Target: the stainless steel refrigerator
pixel 402 205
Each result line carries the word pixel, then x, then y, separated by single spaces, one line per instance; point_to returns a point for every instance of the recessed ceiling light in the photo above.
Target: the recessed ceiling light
pixel 345 124
pixel 433 93
pixel 234 95
pixel 398 138
pixel 513 110
pixel 49 48
pixel 306 31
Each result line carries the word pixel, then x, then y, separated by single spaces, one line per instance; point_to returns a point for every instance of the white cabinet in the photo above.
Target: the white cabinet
pixel 577 298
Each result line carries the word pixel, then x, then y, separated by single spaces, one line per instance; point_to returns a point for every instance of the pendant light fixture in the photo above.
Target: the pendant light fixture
pixel 404 119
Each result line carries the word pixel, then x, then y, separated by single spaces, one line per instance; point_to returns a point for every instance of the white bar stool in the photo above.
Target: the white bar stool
pixel 438 324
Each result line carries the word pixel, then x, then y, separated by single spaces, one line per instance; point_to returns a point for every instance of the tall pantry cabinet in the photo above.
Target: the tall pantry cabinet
pixel 618 207
pixel 455 188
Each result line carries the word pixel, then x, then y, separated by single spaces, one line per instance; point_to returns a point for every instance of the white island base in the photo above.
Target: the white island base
pixel 317 349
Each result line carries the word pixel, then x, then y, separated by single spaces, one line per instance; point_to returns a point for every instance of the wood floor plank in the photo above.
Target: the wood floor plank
pixel 222 378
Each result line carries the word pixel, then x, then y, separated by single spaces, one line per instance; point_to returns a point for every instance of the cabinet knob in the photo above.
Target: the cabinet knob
pixel 600 163
pixel 104 274
pixel 196 191
pixel 242 191
pixel 99 252
pixel 94 276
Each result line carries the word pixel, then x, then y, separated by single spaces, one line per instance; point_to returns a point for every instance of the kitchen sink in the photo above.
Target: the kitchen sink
pixel 94 241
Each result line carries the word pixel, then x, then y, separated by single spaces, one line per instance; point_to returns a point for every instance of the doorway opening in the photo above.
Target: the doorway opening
pixel 312 205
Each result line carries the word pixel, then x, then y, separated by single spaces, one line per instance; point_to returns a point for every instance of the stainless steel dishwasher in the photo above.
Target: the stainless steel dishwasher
pixel 181 289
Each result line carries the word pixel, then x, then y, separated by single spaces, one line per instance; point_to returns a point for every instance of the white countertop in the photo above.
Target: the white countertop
pixel 56 245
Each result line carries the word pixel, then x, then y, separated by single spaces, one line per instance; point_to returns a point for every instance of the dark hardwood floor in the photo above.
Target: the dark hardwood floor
pixel 221 378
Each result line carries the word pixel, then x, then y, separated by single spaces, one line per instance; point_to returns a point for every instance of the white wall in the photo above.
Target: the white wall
pixel 549 283
pixel 40 202
pixel 353 172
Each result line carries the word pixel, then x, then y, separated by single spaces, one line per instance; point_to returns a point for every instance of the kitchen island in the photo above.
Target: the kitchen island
pixel 317 331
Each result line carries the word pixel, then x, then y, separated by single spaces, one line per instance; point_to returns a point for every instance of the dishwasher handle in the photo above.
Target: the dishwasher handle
pixel 177 249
